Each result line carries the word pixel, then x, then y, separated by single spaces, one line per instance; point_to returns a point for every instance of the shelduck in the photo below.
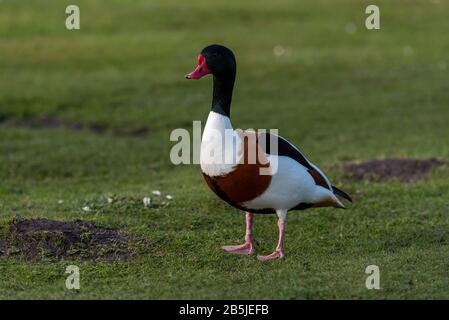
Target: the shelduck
pixel 289 182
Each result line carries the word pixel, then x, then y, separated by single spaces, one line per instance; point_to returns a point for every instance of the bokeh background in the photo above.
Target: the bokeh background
pixel 86 115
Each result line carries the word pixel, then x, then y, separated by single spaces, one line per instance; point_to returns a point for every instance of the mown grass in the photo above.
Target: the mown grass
pixel 340 96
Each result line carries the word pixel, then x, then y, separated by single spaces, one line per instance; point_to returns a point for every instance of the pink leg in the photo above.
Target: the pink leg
pixel 248 247
pixel 279 252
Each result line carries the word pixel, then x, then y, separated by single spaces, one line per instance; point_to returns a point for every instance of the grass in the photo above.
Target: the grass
pixel 340 96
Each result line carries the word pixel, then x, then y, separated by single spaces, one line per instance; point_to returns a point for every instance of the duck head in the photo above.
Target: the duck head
pixel 220 62
pixel 214 59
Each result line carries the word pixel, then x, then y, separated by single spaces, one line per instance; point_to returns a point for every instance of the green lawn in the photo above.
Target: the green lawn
pixel 338 95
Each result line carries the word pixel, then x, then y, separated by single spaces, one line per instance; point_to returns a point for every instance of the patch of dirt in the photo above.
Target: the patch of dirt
pixel 38 239
pixel 402 169
pixel 56 123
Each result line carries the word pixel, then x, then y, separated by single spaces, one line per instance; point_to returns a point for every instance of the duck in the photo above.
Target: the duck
pixel 257 172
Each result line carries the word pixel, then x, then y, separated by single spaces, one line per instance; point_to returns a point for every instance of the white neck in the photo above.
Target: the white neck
pixel 216 121
pixel 219 145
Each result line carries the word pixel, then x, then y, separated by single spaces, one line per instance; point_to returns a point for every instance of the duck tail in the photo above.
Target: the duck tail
pixel 338 203
pixel 341 193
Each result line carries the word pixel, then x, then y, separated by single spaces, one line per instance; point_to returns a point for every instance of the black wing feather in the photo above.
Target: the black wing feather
pixel 285 148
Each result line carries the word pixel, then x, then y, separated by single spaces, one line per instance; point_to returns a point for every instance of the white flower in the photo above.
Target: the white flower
pixel 408 51
pixel 146 201
pixel 157 193
pixel 350 28
pixel 87 209
pixel 110 200
pixel 169 197
pixel 60 201
pixel 279 50
pixel 442 65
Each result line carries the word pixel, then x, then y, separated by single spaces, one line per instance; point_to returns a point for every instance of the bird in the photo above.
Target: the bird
pixel 257 172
